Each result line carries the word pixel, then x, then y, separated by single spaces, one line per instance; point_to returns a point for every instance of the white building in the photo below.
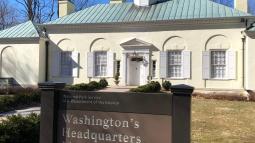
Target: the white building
pixel 196 42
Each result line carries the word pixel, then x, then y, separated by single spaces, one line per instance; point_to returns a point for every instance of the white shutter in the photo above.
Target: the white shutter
pixel 163 64
pixel 90 64
pixel 231 64
pixel 206 65
pixel 75 58
pixel 110 64
pixel 55 64
pixel 186 62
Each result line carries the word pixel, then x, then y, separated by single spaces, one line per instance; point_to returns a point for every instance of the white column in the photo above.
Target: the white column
pixel 147 66
pixel 123 73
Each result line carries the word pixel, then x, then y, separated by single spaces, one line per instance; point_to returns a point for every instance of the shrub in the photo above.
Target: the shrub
pixel 94 85
pixel 155 86
pixel 166 85
pixel 103 83
pixel 150 87
pixel 26 97
pixel 81 86
pixel 18 129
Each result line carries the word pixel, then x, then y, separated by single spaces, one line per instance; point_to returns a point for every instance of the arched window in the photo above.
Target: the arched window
pixel 100 59
pixel 65 60
pixel 175 59
pixel 219 60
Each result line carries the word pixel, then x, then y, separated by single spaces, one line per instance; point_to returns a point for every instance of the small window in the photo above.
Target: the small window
pixel 218 64
pixel 175 64
pixel 66 64
pixel 100 63
pixel 117 67
pixel 154 68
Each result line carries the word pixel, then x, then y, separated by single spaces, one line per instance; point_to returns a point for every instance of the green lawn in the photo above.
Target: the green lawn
pixel 217 121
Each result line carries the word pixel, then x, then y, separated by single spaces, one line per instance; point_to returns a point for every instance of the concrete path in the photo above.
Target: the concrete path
pixel 22 112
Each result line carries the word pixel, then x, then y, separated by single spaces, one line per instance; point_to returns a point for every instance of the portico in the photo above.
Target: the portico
pixel 136 62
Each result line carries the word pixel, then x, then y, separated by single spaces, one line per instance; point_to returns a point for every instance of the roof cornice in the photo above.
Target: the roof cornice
pixel 19 40
pixel 145 24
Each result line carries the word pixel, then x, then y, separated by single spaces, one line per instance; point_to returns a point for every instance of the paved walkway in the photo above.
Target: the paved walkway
pixel 22 112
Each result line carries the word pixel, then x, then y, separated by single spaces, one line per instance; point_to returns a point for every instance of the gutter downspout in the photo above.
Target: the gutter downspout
pixel 46 60
pixel 244 61
pixel 245 21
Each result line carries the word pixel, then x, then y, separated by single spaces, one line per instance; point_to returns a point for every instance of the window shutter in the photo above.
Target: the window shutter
pixel 75 58
pixel 91 64
pixel 163 64
pixel 231 64
pixel 186 62
pixel 206 65
pixel 110 64
pixel 55 64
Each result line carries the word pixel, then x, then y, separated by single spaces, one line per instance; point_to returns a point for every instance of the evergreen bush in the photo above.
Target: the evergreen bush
pixel 150 87
pixel 18 129
pixel 166 85
pixel 103 83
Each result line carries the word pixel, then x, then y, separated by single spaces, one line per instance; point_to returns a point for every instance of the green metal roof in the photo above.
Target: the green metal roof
pixel 168 10
pixel 23 30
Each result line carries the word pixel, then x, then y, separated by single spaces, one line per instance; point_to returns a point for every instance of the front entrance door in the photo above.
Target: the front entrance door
pixel 134 73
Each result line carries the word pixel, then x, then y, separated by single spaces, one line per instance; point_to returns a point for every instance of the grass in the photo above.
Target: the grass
pixel 217 121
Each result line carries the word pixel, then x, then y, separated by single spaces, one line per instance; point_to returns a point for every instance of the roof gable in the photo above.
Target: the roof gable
pixel 169 10
pixel 23 30
pixel 135 42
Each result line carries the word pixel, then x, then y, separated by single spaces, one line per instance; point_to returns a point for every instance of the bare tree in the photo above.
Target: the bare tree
pixel 7 15
pixel 38 11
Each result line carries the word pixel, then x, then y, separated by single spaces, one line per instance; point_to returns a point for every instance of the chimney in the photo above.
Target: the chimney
pixel 117 1
pixel 241 5
pixel 65 7
pixel 145 2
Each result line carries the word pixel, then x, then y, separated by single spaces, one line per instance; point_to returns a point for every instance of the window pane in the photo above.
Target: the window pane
pixel 101 63
pixel 66 64
pixel 218 64
pixel 174 63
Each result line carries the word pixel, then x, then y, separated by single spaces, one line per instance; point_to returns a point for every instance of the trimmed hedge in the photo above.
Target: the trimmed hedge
pixel 153 86
pixel 25 97
pixel 93 85
pixel 166 85
pixel 103 83
pixel 18 129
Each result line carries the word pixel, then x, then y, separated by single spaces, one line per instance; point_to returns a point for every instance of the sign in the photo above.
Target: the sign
pixel 93 117
pixel 111 117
